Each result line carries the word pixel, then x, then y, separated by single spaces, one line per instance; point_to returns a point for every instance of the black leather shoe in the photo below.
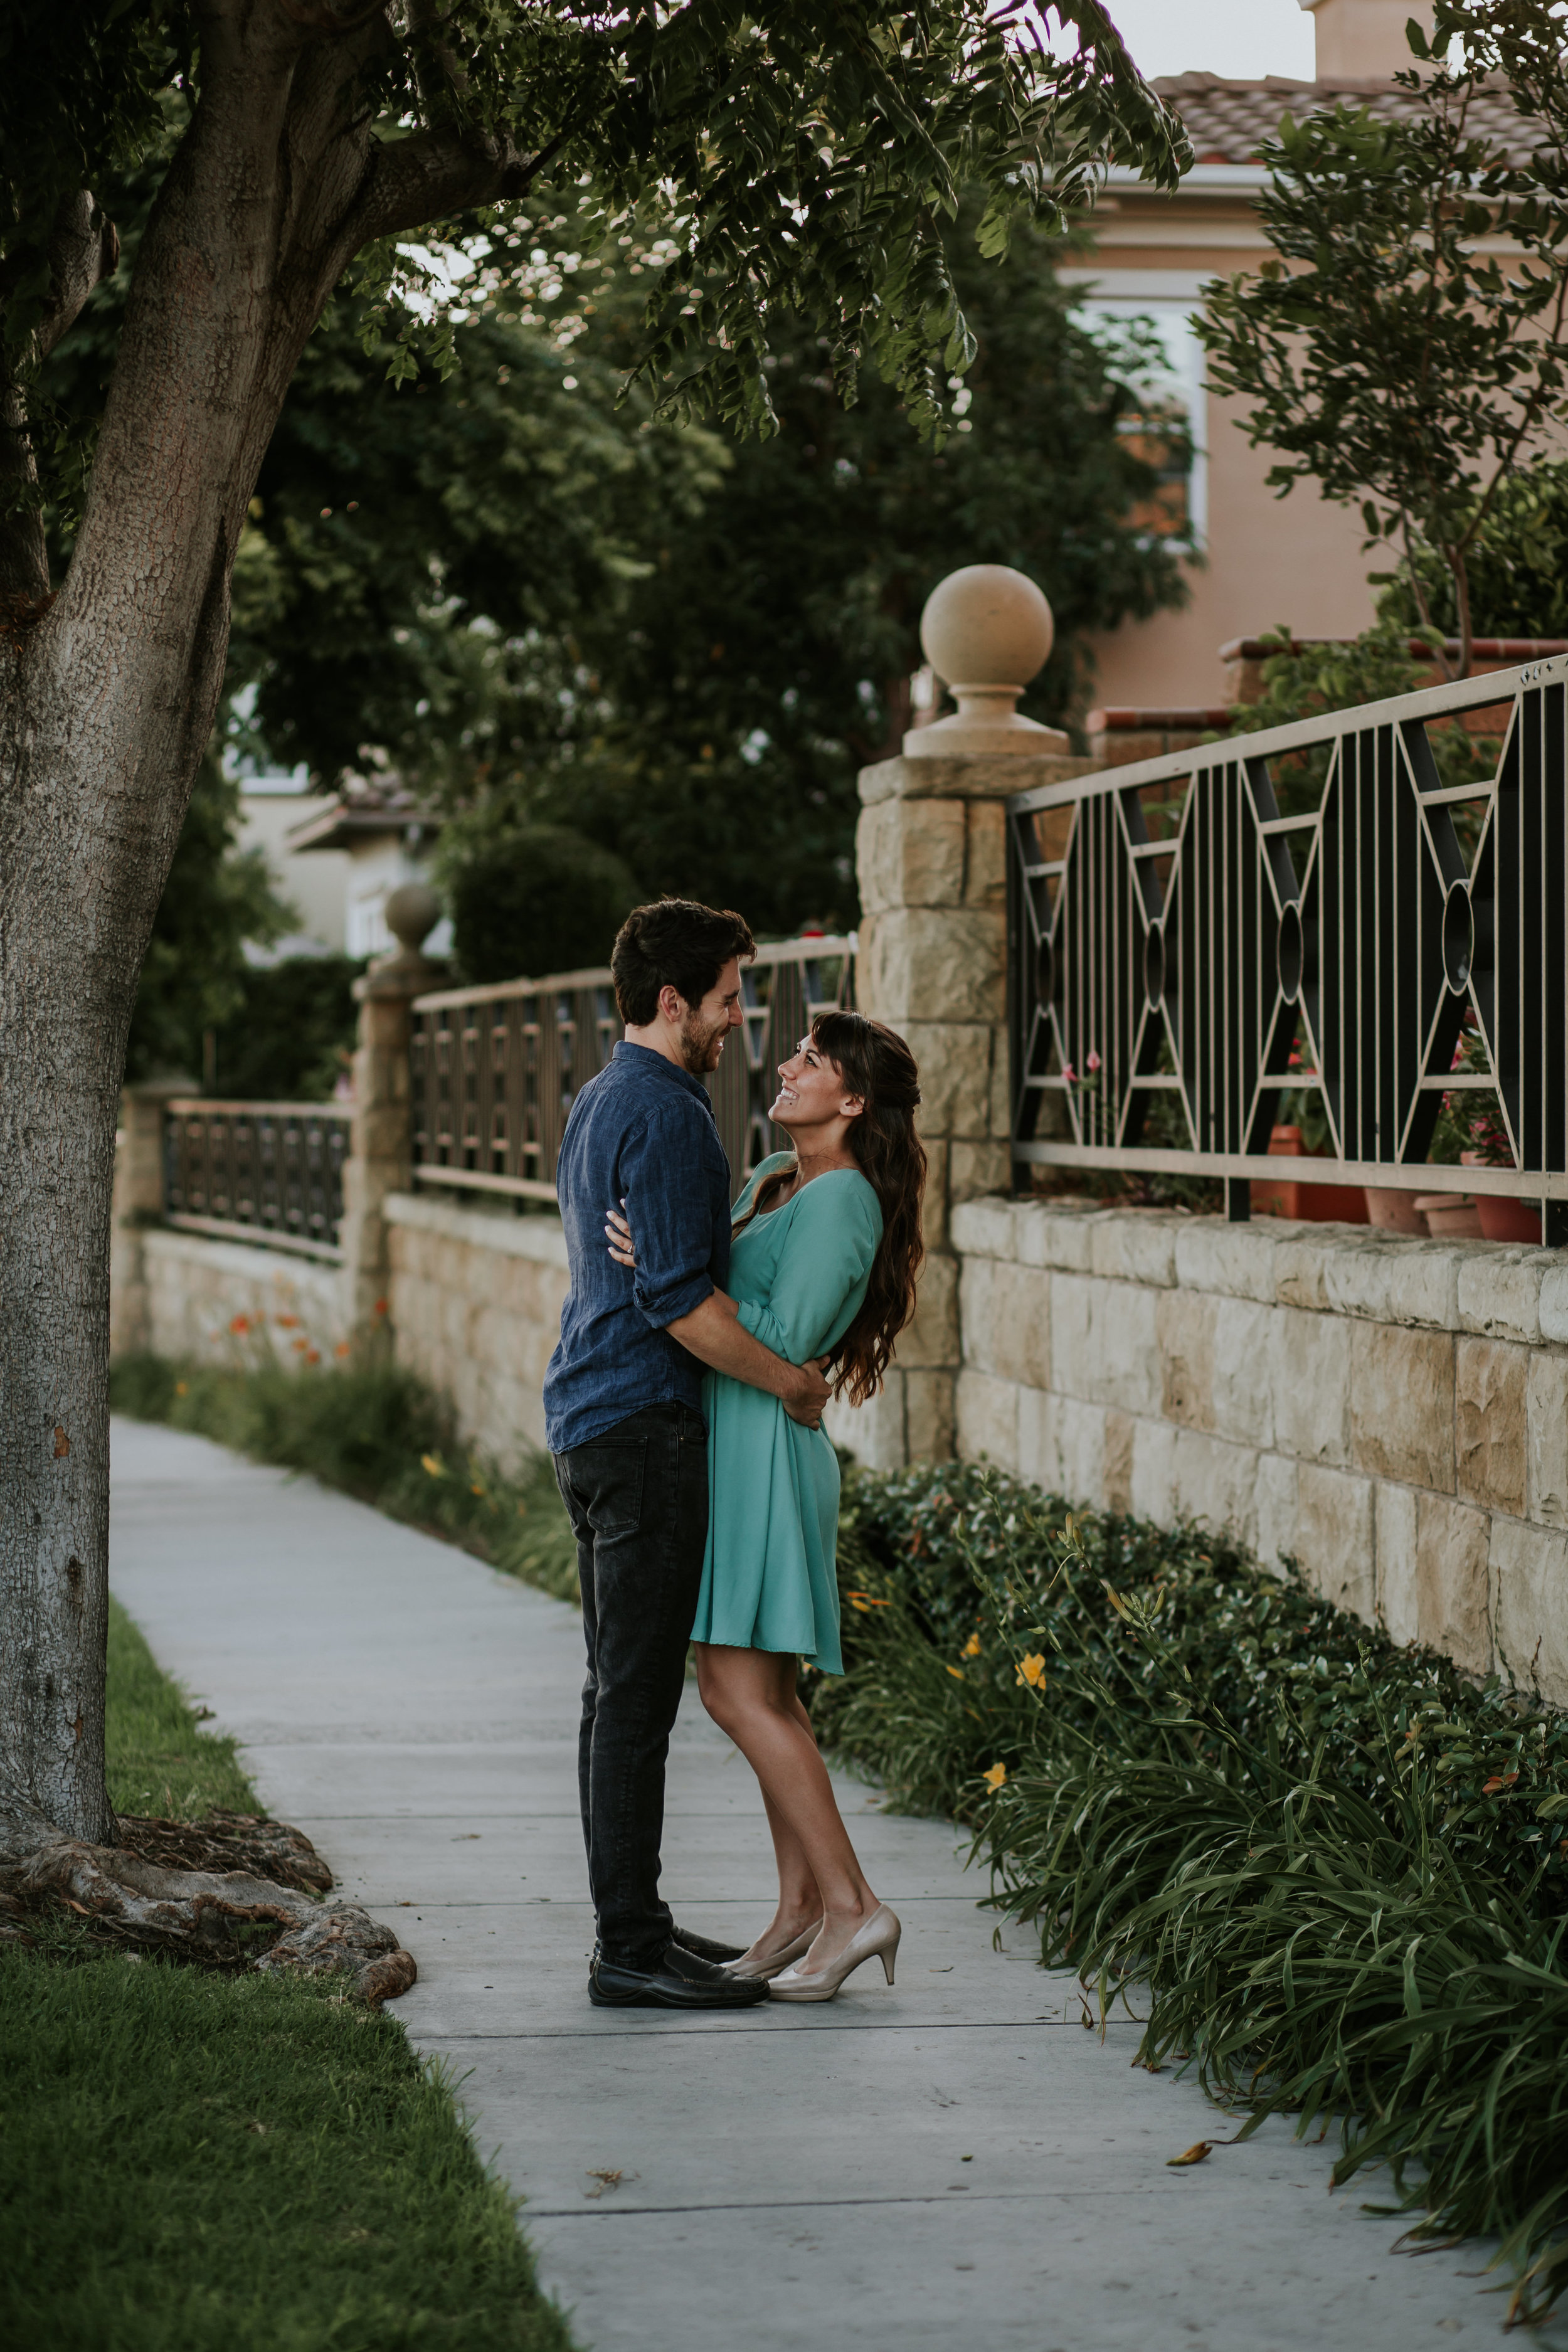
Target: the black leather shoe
pixel 681 1980
pixel 705 1947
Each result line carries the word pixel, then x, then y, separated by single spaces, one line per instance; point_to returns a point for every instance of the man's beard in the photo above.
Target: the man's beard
pixel 701 1045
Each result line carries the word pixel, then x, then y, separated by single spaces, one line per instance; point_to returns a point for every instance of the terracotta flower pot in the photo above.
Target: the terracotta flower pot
pixel 1286 1196
pixel 1450 1216
pixel 1392 1210
pixel 1504 1217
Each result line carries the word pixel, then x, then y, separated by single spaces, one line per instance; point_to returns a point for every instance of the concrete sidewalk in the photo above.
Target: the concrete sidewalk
pixel 953 2162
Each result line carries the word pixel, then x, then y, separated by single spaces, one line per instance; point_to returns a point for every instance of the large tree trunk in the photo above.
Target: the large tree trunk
pixel 107 699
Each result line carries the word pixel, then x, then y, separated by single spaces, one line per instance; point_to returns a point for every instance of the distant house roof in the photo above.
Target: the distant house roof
pixel 361 813
pixel 1229 121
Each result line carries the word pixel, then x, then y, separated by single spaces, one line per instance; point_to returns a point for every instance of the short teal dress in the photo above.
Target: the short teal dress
pixel 798 1277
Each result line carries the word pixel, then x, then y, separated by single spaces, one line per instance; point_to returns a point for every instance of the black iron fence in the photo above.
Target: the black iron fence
pixel 495 1069
pixel 257 1171
pixel 1371 907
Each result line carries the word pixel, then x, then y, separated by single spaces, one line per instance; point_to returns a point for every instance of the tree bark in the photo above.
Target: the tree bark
pixel 108 696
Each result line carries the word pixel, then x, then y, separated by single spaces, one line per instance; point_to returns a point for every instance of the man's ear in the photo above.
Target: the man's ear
pixel 671 1003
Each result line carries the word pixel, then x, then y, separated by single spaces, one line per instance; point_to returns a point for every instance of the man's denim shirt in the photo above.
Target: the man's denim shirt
pixel 642 1131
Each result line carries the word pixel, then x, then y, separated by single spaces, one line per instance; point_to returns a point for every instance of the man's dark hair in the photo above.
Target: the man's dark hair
pixel 675 943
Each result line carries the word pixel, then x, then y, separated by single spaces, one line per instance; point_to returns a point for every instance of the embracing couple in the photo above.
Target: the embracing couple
pixel 700 1342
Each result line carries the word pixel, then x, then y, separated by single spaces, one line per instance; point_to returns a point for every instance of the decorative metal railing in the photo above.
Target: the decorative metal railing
pixel 495 1069
pixel 257 1171
pixel 1312 902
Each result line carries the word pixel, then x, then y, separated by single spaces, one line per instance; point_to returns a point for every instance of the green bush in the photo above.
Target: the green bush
pixel 534 899
pixel 376 1432
pixel 1335 1867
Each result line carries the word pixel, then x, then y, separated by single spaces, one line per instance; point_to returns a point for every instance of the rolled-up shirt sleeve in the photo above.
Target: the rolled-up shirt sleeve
pixel 669 1209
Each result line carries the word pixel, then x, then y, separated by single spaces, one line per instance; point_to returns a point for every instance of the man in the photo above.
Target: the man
pixel 623 1407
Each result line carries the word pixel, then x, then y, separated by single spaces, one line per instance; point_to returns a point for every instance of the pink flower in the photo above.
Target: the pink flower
pixel 1069 1073
pixel 1093 1062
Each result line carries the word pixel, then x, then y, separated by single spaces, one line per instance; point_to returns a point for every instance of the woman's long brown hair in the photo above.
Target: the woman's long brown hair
pixel 875 1065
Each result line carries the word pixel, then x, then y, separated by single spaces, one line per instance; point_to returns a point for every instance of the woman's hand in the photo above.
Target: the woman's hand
pixel 618 1233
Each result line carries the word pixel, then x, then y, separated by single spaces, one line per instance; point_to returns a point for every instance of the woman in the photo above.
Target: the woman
pixel 826 1251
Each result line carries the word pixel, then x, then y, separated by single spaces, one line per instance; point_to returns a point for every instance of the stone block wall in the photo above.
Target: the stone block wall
pixel 1392 1414
pixel 931 854
pixel 194 1290
pixel 474 1302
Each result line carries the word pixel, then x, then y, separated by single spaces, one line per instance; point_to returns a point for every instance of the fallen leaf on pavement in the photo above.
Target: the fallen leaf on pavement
pixel 1194 2155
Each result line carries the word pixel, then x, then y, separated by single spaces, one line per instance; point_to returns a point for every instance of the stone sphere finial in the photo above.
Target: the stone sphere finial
pixel 986 631
pixel 412 911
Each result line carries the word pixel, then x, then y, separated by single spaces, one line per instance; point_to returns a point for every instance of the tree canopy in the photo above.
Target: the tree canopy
pixel 802 164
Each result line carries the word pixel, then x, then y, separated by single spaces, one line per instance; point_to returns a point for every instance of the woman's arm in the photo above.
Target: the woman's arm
pixel 714 1334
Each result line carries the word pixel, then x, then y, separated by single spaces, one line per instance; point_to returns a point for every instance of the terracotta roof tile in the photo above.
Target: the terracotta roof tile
pixel 1226 121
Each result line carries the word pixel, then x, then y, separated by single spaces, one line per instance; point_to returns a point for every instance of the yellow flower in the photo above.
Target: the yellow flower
pixel 433 1464
pixel 182 1387
pixel 971 1647
pixel 995 1776
pixel 957 1673
pixel 1033 1670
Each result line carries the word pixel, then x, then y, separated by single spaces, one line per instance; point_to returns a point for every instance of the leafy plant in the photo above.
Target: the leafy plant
pixel 1336 1868
pixel 1387 351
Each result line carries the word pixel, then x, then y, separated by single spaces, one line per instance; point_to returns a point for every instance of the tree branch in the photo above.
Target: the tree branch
pixel 425 178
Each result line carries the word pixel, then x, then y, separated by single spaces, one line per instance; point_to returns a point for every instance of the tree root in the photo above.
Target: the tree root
pixel 138 1895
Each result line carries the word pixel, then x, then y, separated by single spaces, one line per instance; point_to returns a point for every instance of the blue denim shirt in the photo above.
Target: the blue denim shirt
pixel 641 1131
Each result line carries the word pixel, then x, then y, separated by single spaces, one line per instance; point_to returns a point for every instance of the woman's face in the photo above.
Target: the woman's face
pixel 812 1093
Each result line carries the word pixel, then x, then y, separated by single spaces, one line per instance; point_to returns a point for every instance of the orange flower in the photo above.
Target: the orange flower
pixel 300 1346
pixel 380 1307
pixel 994 1776
pixel 312 1355
pixel 971 1647
pixel 957 1673
pixel 1033 1670
pixel 287 1322
pixel 343 1348
pixel 241 1323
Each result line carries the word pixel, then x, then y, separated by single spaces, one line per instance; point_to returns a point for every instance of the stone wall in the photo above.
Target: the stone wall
pixel 197 1291
pixel 1392 1414
pixel 931 855
pixel 474 1301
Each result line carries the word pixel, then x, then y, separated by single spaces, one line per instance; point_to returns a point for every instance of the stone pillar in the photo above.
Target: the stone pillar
pixel 138 1204
pixel 931 857
pixel 379 1155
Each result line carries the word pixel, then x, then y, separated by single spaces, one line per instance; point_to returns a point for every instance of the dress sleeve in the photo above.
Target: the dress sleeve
pixel 826 1255
pixel 669 1209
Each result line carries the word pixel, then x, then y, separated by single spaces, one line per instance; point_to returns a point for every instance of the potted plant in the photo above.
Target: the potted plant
pixel 1301 1132
pixel 1470 1130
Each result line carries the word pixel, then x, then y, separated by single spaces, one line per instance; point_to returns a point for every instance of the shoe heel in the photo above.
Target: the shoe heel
pixel 888 1964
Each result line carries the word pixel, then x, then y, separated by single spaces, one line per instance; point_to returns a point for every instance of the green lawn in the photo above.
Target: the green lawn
pixel 212 2163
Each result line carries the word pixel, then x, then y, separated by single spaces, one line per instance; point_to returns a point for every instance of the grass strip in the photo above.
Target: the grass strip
pixel 1335 1868
pixel 160 1759
pixel 191 2163
pixel 375 1432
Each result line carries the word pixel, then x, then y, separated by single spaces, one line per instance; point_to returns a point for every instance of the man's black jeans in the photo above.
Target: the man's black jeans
pixel 638 1500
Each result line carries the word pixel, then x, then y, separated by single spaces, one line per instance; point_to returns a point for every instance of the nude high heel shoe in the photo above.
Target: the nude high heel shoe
pixel 878 1939
pixel 777 1961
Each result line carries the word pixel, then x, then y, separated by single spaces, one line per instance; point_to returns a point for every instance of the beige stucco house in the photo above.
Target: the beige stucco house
pixel 1297 559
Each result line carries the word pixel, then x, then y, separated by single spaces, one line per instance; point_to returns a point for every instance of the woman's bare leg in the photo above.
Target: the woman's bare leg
pixel 751 1694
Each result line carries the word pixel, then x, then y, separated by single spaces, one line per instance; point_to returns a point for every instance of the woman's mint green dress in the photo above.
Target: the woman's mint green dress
pixel 798 1277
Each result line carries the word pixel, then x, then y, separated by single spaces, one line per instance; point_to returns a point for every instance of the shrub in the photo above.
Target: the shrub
pixel 1334 1865
pixel 537 899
